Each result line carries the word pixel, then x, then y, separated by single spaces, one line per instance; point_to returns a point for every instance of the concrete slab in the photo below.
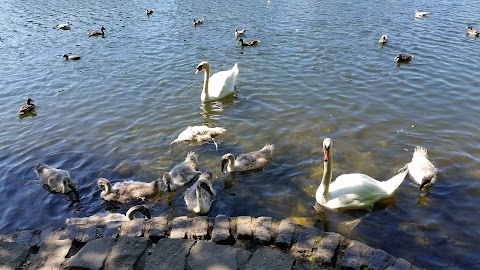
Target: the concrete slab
pixel 12 255
pixel 169 254
pixel 208 255
pixel 125 253
pixel 51 254
pixel 91 256
pixel 268 258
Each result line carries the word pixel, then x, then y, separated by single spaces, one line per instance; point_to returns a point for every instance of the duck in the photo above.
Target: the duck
pixel 200 134
pixel 471 32
pixel 63 26
pixel 128 190
pixel 149 12
pixel 200 196
pixel 106 217
pixel 403 58
pixel 239 33
pixel 55 180
pixel 420 14
pixel 248 161
pixel 182 173
pixel 383 39
pixel 197 22
pixel 97 33
pixel 27 108
pixel 70 56
pixel 420 169
pixel 220 84
pixel 252 42
pixel 352 191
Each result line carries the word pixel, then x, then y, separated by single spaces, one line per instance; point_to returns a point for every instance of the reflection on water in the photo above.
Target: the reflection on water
pixel 318 72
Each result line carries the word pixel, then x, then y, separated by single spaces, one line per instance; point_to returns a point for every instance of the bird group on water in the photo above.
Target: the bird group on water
pixel 348 191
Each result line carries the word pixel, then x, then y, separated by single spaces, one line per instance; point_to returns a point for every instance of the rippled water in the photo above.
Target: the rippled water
pixel 318 72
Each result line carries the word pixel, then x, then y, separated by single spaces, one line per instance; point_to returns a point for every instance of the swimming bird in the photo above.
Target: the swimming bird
pixel 421 169
pixel 149 12
pixel 200 134
pixel 70 56
pixel 182 173
pixel 471 32
pixel 252 42
pixel 420 14
pixel 106 217
pixel 27 108
pixel 403 58
pixel 64 26
pixel 383 39
pixel 197 22
pixel 220 84
pixel 239 33
pixel 248 161
pixel 352 191
pixel 200 196
pixel 56 180
pixel 129 190
pixel 97 33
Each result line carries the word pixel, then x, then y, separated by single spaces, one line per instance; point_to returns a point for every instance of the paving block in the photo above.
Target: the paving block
pixel 51 254
pixel 198 228
pixel 221 230
pixel 264 231
pixel 112 229
pixel 307 238
pixel 357 256
pixel 286 230
pixel 327 248
pixel 24 237
pixel 12 255
pixel 179 227
pixel 132 228
pixel 125 253
pixel 244 227
pixel 155 228
pixel 400 264
pixel 169 254
pixel 378 260
pixel 268 258
pixel 91 256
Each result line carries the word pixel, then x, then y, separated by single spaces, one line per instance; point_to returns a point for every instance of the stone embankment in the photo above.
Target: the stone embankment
pixel 191 243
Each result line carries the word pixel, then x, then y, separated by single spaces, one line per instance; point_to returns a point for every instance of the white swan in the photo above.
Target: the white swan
pixel 421 169
pixel 182 173
pixel 200 134
pixel 56 180
pixel 248 161
pixel 129 190
pixel 383 39
pixel 352 191
pixel 64 26
pixel 420 14
pixel 220 84
pixel 106 217
pixel 200 196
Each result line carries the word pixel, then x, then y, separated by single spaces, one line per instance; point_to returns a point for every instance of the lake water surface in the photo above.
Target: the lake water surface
pixel 318 72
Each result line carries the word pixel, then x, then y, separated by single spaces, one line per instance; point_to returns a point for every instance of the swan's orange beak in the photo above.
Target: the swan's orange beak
pixel 325 154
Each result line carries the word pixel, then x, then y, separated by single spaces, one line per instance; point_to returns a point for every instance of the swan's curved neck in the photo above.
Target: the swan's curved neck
pixel 327 176
pixel 107 188
pixel 231 163
pixel 198 193
pixel 205 82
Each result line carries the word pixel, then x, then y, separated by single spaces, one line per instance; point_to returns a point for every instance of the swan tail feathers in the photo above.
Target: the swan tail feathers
pixel 235 69
pixel 420 151
pixel 393 183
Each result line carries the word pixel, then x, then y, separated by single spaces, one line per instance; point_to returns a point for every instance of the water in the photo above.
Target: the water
pixel 318 72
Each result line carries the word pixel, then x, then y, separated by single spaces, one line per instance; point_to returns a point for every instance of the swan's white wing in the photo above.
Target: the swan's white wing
pixel 351 191
pixel 221 84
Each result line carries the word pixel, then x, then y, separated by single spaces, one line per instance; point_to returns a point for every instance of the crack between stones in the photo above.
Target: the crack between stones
pixel 187 267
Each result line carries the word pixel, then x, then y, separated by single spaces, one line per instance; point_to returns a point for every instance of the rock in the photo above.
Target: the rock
pixel 12 255
pixel 307 238
pixel 377 260
pixel 327 248
pixel 125 253
pixel 91 256
pixel 51 254
pixel 357 256
pixel 169 254
pixel 267 258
